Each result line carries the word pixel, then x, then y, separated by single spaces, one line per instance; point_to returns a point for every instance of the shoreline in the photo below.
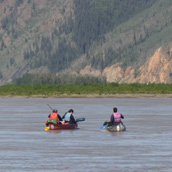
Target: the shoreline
pixel 94 96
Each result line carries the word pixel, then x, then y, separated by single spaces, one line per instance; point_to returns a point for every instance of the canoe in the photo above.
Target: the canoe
pixel 52 125
pixel 64 126
pixel 109 127
pixel 118 128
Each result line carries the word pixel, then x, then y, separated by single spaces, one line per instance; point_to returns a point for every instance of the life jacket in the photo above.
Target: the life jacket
pixel 67 117
pixel 117 117
pixel 54 116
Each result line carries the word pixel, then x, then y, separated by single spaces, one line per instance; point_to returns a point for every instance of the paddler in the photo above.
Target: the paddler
pixel 68 117
pixel 116 117
pixel 55 116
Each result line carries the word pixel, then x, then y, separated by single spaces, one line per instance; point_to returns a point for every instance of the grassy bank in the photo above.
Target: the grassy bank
pixel 95 89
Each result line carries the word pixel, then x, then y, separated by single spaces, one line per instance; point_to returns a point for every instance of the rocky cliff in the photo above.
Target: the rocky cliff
pixel 158 69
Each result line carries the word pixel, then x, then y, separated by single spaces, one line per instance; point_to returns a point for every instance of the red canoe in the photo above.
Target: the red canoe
pixel 64 126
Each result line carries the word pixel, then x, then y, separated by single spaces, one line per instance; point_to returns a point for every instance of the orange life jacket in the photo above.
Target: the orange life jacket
pixel 54 116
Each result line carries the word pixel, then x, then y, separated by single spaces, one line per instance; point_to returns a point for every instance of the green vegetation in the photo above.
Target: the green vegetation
pixel 97 17
pixel 87 89
pixel 1 75
pixel 38 79
pixel 19 2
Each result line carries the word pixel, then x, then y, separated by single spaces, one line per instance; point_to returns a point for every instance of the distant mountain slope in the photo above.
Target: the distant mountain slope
pixel 61 36
pixel 158 69
pixel 28 31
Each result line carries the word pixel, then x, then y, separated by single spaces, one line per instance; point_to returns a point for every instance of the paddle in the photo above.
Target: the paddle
pixel 49 106
pixel 80 119
pixel 104 126
pixel 47 128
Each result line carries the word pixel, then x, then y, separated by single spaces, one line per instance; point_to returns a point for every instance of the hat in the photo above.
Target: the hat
pixel 71 110
pixel 55 110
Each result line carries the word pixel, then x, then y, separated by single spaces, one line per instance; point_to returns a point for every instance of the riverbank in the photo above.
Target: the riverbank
pixel 95 96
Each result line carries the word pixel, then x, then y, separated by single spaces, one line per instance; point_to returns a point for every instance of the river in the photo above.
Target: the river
pixel 145 146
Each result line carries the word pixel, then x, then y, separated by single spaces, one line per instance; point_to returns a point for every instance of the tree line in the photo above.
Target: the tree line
pixel 65 79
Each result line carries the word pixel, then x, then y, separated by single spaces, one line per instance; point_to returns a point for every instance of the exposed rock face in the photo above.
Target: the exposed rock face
pixel 129 76
pixel 90 71
pixel 158 69
pixel 113 73
pixel 117 74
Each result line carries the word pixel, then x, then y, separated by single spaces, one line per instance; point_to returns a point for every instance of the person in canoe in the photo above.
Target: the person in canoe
pixel 116 117
pixel 68 117
pixel 54 117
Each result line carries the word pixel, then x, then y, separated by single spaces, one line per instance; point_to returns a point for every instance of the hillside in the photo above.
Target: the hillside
pixel 123 41
pixel 158 69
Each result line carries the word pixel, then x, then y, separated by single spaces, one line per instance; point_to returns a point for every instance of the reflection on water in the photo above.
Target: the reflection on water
pixel 145 146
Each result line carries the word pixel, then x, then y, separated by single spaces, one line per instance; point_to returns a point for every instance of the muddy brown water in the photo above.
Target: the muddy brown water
pixel 145 146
